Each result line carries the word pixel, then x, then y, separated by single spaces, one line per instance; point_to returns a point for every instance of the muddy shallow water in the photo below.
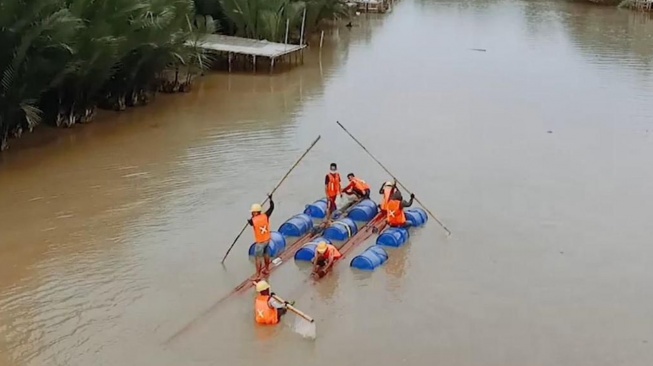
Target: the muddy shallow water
pixel 536 154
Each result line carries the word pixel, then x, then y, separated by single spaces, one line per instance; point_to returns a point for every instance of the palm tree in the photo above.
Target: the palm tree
pixel 36 38
pixel 69 56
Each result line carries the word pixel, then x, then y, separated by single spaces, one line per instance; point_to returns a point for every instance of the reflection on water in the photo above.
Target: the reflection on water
pixel 534 153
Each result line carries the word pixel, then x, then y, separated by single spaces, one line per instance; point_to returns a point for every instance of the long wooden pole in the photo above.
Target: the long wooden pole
pixel 294 309
pixel 273 190
pixel 395 178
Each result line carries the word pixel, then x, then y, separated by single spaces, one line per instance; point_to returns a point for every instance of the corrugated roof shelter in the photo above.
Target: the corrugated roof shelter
pixel 248 47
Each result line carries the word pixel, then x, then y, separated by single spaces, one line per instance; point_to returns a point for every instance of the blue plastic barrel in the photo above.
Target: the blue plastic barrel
pixel 416 216
pixel 393 237
pixel 297 225
pixel 317 209
pixel 277 244
pixel 342 229
pixel 370 259
pixel 364 211
pixel 307 252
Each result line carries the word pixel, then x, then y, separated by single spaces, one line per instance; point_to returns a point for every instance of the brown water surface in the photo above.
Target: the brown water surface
pixel 535 153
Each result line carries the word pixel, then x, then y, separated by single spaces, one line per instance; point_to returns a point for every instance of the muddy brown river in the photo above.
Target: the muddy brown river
pixel 536 153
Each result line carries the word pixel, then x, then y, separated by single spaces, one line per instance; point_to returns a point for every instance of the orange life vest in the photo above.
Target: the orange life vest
pixel 263 313
pixel 360 184
pixel 261 228
pixel 386 197
pixel 395 216
pixel 331 252
pixel 333 188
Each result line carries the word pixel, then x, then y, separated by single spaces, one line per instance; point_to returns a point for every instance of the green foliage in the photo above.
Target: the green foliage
pixel 266 19
pixel 61 58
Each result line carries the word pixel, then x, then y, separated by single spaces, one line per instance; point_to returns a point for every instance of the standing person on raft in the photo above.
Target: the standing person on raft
pixel 357 186
pixel 386 193
pixel 267 310
pixel 262 234
pixel 395 208
pixel 325 255
pixel 331 190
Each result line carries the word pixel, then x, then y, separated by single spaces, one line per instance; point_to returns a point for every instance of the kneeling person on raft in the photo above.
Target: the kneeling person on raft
pixel 268 310
pixel 395 209
pixel 262 234
pixel 357 186
pixel 325 255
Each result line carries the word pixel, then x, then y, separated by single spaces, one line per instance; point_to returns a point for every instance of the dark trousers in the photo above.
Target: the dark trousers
pixel 361 194
pixel 281 312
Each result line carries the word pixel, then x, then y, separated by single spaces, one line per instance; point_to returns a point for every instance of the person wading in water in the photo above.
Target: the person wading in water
pixel 267 310
pixel 262 234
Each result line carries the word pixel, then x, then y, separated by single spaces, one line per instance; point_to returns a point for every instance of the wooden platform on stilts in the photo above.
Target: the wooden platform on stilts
pixel 250 48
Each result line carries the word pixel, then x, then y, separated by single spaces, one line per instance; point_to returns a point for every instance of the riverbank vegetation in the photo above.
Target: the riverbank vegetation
pixel 62 59
pixel 266 19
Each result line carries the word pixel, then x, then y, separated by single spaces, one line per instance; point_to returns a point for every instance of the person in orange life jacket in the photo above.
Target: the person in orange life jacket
pixel 332 189
pixel 357 186
pixel 386 193
pixel 268 310
pixel 262 234
pixel 395 210
pixel 325 255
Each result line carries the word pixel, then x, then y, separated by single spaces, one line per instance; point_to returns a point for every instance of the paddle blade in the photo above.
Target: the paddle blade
pixel 304 328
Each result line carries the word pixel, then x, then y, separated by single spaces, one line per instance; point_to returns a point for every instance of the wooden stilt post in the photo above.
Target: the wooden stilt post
pixel 285 42
pixel 230 57
pixel 254 62
pixel 321 39
pixel 272 65
pixel 301 33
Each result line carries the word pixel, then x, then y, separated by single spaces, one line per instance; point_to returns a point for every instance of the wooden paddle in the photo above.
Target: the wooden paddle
pixel 273 190
pixel 294 309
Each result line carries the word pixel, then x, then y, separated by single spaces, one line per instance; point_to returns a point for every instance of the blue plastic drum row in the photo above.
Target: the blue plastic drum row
pixel 396 237
pixel 375 255
pixel 416 216
pixel 277 244
pixel 363 211
pixel 296 226
pixel 307 252
pixel 371 258
pixel 341 230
